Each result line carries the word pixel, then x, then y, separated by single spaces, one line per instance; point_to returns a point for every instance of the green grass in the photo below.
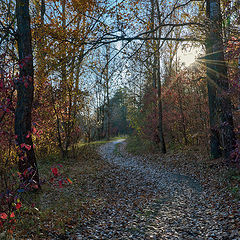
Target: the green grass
pixel 233 175
pixel 100 142
pixel 137 145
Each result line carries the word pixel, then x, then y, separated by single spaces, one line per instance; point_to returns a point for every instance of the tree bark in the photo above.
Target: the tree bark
pixel 25 89
pixel 160 117
pixel 154 46
pixel 107 90
pixel 222 139
pixel 158 82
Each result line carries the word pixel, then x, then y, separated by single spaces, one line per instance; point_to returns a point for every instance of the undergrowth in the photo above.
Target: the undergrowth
pixel 233 176
pixel 56 210
pixel 137 145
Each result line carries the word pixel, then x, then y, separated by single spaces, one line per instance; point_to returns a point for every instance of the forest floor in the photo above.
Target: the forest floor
pixel 145 200
pixel 117 195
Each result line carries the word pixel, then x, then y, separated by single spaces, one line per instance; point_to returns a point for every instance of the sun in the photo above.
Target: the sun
pixel 188 56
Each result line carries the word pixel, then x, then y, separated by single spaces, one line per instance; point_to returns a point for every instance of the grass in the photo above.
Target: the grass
pixel 233 176
pixel 138 146
pixel 100 142
pixel 54 211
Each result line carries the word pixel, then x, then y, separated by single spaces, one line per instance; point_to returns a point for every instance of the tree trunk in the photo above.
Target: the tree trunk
pixel 25 89
pixel 107 90
pixel 159 86
pixel 160 118
pixel 154 47
pixel 43 9
pixel 183 120
pixel 221 120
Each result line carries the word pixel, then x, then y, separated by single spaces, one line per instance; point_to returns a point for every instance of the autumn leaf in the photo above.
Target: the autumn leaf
pixel 18 205
pixel 25 172
pixel 60 184
pixel 34 130
pixel 28 147
pixel 3 216
pixel 69 180
pixel 28 135
pixel 55 171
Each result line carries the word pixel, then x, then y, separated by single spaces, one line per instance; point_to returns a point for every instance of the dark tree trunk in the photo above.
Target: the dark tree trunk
pixel 107 90
pixel 160 117
pixel 108 112
pixel 25 89
pixel 183 120
pixel 43 9
pixel 154 46
pixel 221 120
pixel 158 80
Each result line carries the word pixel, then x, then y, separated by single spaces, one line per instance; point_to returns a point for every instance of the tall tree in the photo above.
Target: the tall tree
pixel 25 90
pixel 159 86
pixel 107 89
pixel 222 138
pixel 157 72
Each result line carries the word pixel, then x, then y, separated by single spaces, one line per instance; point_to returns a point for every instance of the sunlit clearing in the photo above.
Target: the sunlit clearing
pixel 187 57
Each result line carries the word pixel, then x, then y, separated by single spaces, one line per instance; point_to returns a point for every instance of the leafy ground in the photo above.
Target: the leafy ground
pixel 55 212
pixel 117 195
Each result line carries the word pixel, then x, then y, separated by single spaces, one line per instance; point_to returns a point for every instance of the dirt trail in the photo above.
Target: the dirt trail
pixel 143 200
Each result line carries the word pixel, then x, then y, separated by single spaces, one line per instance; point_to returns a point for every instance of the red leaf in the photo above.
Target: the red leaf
pixel 3 216
pixel 35 186
pixel 60 184
pixel 18 205
pixel 28 147
pixel 34 130
pixel 69 180
pixel 25 172
pixel 54 171
pixel 12 215
pixel 22 145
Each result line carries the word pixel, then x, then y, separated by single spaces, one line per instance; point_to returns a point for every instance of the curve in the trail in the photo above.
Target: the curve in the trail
pixel 162 177
pixel 143 200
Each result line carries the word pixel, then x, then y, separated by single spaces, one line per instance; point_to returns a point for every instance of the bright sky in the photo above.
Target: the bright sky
pixel 188 56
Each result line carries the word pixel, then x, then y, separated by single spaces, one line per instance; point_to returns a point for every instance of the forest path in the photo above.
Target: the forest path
pixel 143 200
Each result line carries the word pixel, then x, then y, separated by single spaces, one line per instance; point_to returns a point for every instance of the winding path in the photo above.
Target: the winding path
pixel 143 200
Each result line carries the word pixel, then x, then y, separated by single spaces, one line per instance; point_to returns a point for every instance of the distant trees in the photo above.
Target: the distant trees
pixel 115 121
pixel 118 114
